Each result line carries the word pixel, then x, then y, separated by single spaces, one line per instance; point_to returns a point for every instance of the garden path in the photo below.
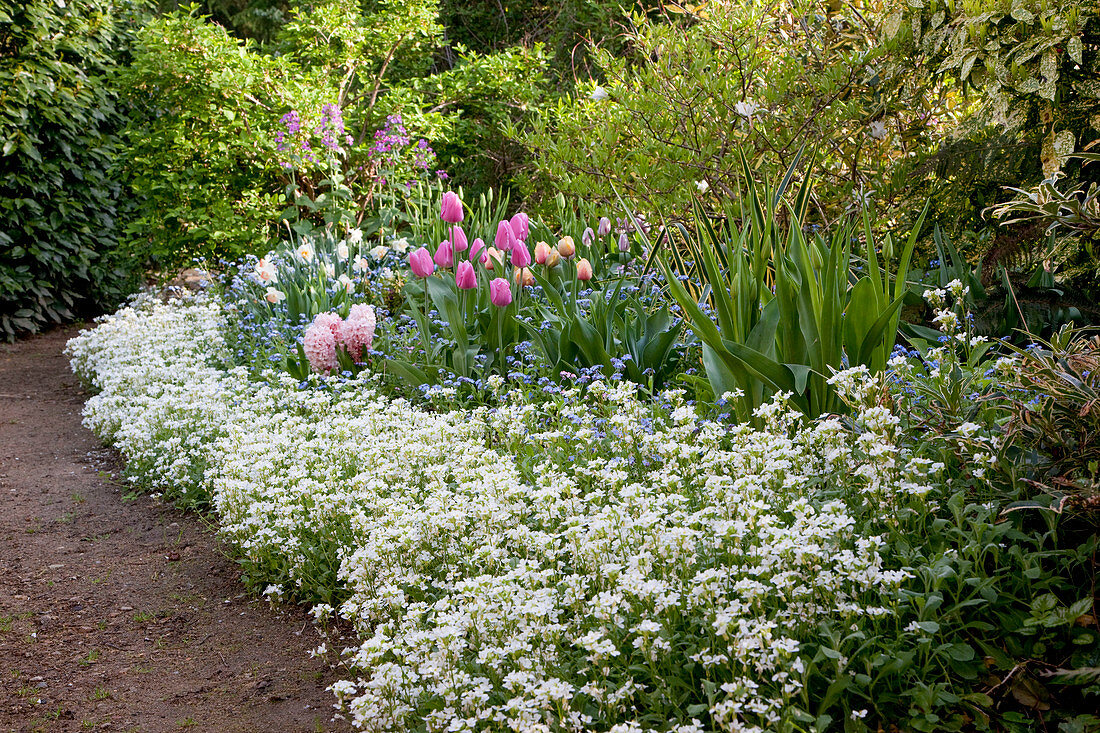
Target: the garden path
pixel 118 612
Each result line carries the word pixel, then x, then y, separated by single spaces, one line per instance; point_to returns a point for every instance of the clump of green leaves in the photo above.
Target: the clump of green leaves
pixel 62 204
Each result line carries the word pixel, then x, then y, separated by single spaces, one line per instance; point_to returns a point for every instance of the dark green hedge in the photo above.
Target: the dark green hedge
pixel 60 202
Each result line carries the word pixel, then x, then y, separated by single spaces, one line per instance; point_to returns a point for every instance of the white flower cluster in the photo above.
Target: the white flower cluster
pixel 559 564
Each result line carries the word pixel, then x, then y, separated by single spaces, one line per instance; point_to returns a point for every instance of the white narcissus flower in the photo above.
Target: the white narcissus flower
pixel 360 264
pixel 379 251
pixel 342 251
pixel 347 283
pixel 305 251
pixel 330 270
pixel 274 295
pixel 266 272
pixel 355 236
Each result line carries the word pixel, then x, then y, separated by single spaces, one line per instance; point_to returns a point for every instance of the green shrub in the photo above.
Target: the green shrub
pixel 61 203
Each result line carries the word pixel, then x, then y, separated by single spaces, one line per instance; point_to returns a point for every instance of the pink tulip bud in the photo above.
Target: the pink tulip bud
pixel 444 254
pixel 458 239
pixel 520 224
pixel 451 208
pixel 421 262
pixel 588 237
pixel 500 293
pixel 465 277
pixel 542 251
pixel 604 227
pixel 475 250
pixel 521 256
pixel 584 269
pixel 624 243
pixel 566 247
pixel 506 238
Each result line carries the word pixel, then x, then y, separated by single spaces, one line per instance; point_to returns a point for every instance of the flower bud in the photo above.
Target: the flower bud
pixel 542 251
pixel 444 254
pixel 524 277
pixel 500 293
pixel 458 240
pixel 553 258
pixel 521 256
pixel 465 277
pixel 421 263
pixel 451 208
pixel 604 227
pixel 584 269
pixel 566 248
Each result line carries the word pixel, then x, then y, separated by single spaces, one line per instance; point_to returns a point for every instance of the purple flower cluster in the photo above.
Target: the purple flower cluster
pixel 390 151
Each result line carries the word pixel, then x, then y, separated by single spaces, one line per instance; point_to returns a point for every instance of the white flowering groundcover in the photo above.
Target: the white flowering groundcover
pixel 580 561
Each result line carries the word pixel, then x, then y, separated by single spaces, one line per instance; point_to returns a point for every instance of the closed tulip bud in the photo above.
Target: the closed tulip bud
pixel 506 238
pixel 476 250
pixel 521 256
pixel 500 293
pixel 584 269
pixel 604 227
pixel 465 277
pixel 524 277
pixel 421 263
pixel 588 237
pixel 566 248
pixel 553 258
pixel 493 258
pixel 624 243
pixel 451 208
pixel 520 224
pixel 458 240
pixel 444 254
pixel 542 251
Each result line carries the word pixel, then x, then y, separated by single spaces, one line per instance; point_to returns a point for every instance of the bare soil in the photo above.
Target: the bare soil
pixel 118 612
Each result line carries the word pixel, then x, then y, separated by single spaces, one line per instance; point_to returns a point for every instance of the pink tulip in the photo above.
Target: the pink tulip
pixel 542 251
pixel 451 208
pixel 500 293
pixel 458 239
pixel 566 247
pixel 520 224
pixel 584 269
pixel 588 237
pixel 465 277
pixel 604 227
pixel 475 251
pixel 624 243
pixel 506 238
pixel 444 254
pixel 421 263
pixel 521 256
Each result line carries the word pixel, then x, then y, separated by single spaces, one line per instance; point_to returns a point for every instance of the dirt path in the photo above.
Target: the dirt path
pixel 117 612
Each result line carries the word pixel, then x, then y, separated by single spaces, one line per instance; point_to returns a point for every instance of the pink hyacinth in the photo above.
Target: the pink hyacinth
pixel 451 208
pixel 319 343
pixel 357 332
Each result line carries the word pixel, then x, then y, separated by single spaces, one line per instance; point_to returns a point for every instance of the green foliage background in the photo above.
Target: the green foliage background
pixel 62 204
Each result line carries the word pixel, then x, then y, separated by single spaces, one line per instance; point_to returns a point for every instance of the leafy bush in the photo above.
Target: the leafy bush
pixel 62 205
